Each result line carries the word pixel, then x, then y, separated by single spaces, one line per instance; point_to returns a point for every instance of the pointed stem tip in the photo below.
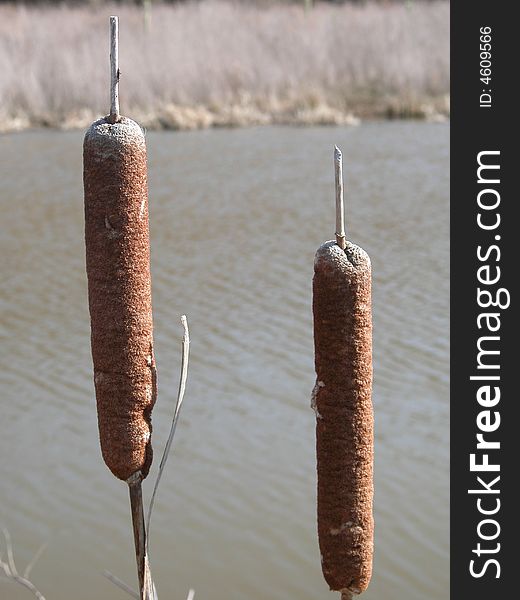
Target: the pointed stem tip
pixel 340 210
pixel 114 70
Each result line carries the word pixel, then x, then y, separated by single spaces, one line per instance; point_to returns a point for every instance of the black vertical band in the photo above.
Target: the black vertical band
pixel 484 305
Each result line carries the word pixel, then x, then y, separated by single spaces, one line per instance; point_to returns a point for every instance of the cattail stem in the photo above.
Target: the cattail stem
pixel 136 506
pixel 114 70
pixel 340 209
pixel 146 587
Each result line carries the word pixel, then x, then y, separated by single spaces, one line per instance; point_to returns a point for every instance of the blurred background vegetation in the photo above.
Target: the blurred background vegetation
pixel 256 2
pixel 192 64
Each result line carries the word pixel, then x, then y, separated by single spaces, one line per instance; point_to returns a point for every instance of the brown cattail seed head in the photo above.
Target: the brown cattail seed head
pixel 344 419
pixel 119 291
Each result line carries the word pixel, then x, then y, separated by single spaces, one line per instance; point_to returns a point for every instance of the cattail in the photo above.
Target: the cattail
pixel 343 406
pixel 119 290
pixel 120 301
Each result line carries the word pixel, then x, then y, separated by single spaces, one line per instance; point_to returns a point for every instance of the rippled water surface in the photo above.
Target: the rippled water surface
pixel 235 218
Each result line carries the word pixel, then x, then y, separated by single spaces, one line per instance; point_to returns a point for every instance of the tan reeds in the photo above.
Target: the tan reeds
pixel 216 63
pixel 343 405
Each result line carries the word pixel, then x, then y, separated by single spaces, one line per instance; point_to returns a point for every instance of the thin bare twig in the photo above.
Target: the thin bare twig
pixel 180 398
pixel 9 548
pixel 147 589
pixel 35 559
pixel 9 568
pixel 125 587
pixel 121 584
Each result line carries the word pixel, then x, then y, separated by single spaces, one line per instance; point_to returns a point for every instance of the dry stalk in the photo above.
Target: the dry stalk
pixel 114 70
pixel 141 530
pixel 340 207
pixel 180 398
pixel 11 572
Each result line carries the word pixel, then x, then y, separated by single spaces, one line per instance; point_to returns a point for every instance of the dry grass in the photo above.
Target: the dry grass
pixel 218 63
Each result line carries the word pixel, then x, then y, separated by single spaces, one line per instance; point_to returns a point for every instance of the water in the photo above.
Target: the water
pixel 235 219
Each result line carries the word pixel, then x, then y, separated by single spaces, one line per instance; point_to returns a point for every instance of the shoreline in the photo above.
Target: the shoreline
pixel 173 117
